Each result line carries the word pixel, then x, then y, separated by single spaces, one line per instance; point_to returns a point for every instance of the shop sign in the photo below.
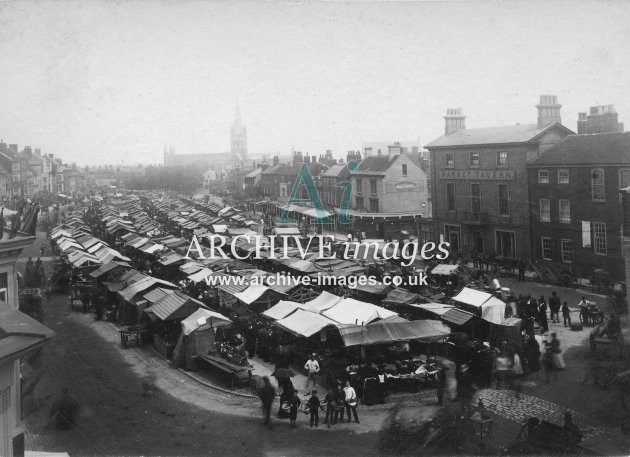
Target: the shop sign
pixel 404 186
pixel 478 175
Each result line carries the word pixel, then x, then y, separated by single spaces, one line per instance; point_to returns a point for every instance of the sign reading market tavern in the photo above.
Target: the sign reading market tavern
pixel 480 175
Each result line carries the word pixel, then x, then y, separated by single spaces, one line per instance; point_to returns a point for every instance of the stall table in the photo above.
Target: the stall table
pixel 135 335
pixel 236 372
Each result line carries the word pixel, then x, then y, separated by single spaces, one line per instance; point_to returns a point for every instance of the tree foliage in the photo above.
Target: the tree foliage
pixel 176 178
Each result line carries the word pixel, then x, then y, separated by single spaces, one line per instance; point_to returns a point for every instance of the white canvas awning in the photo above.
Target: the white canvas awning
pixel 304 323
pixel 202 319
pixel 493 311
pixel 472 297
pixel 252 293
pixel 282 309
pixel 325 301
pixel 354 312
pixel 443 269
pixel 436 308
pixel 200 275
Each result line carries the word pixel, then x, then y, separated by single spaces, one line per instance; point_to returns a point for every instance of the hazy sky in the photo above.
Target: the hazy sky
pixel 106 81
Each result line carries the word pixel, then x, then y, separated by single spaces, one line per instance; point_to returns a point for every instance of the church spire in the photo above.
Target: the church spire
pixel 238 137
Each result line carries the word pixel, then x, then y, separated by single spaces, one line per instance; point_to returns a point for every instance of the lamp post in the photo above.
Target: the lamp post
pixel 482 425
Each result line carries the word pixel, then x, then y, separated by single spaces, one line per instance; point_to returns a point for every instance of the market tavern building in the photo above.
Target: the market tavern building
pixel 577 211
pixel 480 188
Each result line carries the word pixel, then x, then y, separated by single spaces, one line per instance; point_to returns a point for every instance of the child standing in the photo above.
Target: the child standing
pixel 314 404
pixel 294 404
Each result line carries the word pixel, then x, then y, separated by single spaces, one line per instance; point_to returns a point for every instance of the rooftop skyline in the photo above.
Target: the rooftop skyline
pixel 114 82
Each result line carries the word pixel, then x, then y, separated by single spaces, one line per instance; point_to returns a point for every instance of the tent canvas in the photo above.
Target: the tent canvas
pixel 436 308
pixel 443 269
pixel 472 297
pixel 281 309
pixel 388 332
pixel 493 311
pixel 401 297
pixel 321 303
pixel 252 293
pixel 201 319
pixel 304 323
pixel 351 312
pixel 200 275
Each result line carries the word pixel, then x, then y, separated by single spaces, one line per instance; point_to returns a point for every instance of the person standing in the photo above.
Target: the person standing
pixel 556 353
pixel 542 314
pixel 294 404
pixel 63 411
pixel 312 368
pixel 583 305
pixel 351 401
pixel 267 394
pixel 521 270
pixel 532 354
pixel 314 404
pixel 503 366
pixel 554 307
pixel 566 314
pixel 339 404
pixel 548 362
pixel 331 400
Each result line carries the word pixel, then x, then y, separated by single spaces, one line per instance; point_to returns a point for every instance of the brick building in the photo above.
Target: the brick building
pixel 480 188
pixel 577 212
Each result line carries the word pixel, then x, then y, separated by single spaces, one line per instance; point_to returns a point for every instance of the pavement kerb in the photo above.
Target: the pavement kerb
pixel 212 386
pixel 207 384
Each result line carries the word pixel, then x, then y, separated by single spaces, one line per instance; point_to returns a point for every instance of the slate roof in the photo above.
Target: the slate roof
pixel 282 169
pixel 104 269
pixel 493 135
pixel 175 306
pixel 374 164
pixel 254 173
pixel 19 333
pixel 336 171
pixel 594 149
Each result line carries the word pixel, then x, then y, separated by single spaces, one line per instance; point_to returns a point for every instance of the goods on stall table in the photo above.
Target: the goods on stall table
pixel 133 334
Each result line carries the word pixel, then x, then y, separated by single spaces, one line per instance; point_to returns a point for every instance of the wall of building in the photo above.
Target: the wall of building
pixel 488 175
pixel 582 208
pixel 403 194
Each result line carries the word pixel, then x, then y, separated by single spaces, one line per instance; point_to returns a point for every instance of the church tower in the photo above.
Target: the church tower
pixel 238 138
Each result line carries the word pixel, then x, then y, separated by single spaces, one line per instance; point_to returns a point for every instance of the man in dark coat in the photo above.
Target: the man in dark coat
pixel 554 307
pixel 267 394
pixel 63 411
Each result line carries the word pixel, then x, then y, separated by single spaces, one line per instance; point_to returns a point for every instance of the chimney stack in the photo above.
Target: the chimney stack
pixel 454 120
pixel 276 160
pixel 394 150
pixel 548 111
pixel 354 155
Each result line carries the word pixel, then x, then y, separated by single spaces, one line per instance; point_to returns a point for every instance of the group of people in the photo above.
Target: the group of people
pixel 513 366
pixel 337 400
pixel 34 273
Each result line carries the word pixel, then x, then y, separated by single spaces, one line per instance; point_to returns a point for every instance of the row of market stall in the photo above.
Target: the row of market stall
pixel 392 329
